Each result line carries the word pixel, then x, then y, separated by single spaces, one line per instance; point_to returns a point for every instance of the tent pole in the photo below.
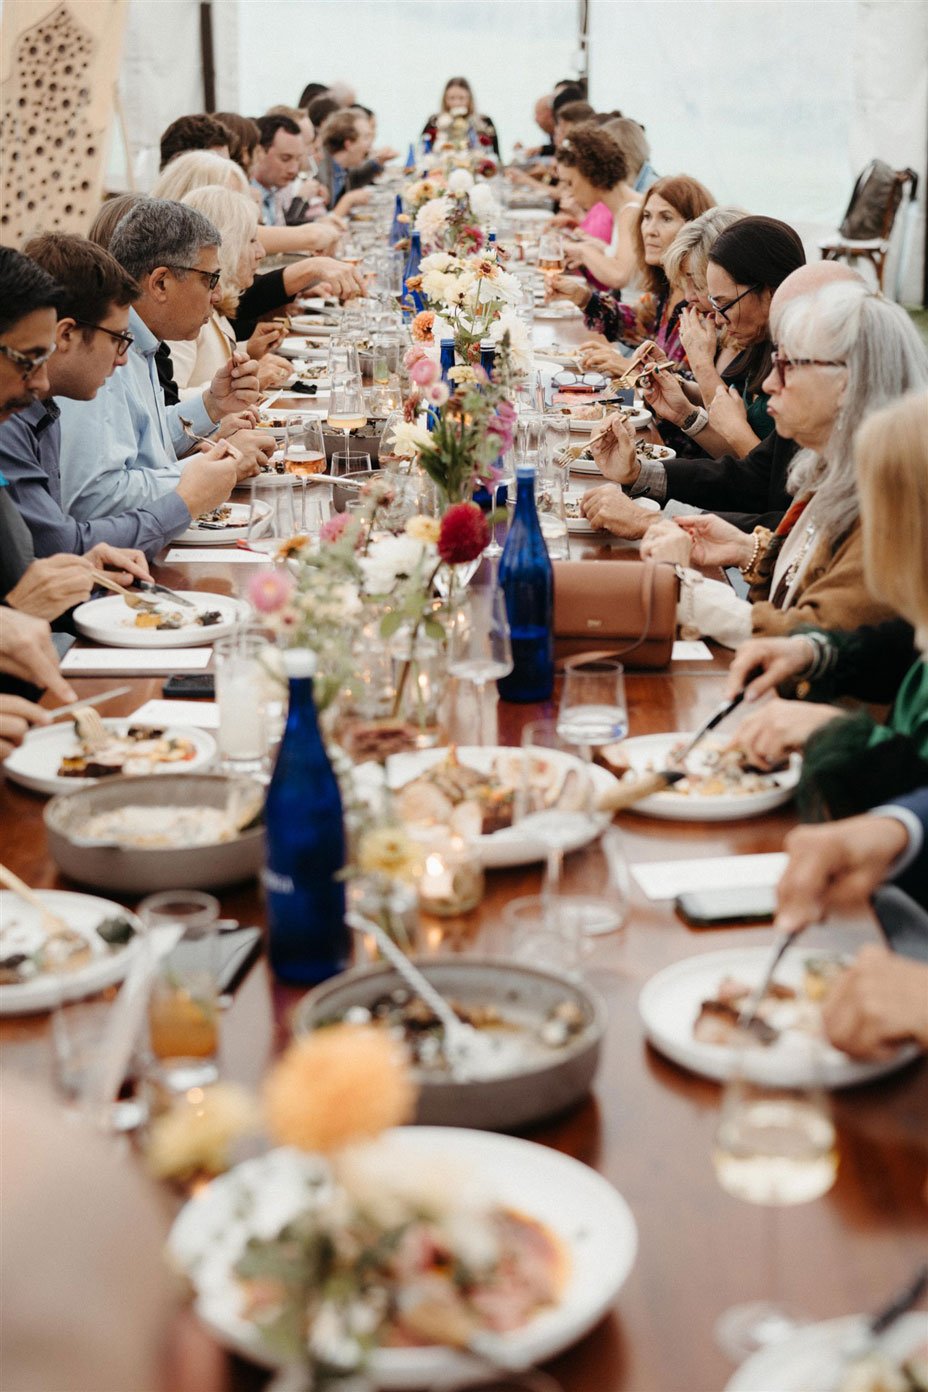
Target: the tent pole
pixel 583 34
pixel 206 56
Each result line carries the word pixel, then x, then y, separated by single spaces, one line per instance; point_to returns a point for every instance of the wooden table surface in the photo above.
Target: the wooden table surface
pixel 648 1125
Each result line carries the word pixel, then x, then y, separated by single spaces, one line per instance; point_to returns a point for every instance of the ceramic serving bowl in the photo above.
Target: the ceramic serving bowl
pixel 547 1085
pixel 139 870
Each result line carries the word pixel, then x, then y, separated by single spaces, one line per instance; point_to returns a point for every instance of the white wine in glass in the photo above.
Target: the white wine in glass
pixel 551 253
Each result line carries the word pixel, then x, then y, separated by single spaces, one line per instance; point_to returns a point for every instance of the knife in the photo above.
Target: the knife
pixel 860 1344
pixel 152 587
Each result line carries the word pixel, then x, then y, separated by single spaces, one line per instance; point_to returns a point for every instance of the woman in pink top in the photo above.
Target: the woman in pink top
pixel 593 171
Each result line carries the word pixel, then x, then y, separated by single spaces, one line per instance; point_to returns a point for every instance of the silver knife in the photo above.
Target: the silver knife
pixel 153 587
pixel 90 701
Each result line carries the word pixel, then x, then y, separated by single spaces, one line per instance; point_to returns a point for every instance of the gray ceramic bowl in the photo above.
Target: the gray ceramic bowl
pixel 134 870
pixel 540 1090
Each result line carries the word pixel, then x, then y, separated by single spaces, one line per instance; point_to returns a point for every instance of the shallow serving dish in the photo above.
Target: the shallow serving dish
pixel 142 870
pixel 539 1089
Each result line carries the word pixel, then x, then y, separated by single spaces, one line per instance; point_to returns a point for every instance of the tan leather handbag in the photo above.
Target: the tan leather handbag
pixel 625 608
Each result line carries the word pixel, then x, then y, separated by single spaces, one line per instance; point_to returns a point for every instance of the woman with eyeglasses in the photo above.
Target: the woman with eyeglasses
pixel 196 361
pixel 667 206
pixel 841 354
pixel 746 263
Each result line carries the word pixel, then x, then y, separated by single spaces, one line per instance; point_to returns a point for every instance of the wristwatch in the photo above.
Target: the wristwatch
pixel 697 420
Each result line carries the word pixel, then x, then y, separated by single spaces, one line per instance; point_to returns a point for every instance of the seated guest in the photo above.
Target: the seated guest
pixel 122 449
pixel 630 137
pixel 243 137
pixel 567 114
pixel 322 106
pixel 543 113
pixel 667 206
pixel 592 168
pixel 304 199
pixel 111 213
pixel 197 360
pixel 457 97
pixel 200 132
pixel 748 492
pixel 91 341
pixel 310 92
pixel 277 163
pixel 344 167
pixel 841 354
pixel 852 762
pixel 28 660
pixel 746 264
pixel 685 263
pixel 378 156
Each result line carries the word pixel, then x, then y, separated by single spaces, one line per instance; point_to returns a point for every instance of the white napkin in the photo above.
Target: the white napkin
pixel 203 714
pixel 215 555
pixel 94 662
pixel 665 879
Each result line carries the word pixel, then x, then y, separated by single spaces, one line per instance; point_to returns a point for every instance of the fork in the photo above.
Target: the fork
pixel 52 924
pixel 134 601
pixel 90 728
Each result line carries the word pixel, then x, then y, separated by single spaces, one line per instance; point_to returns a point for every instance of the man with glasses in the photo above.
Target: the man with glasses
pixel 91 341
pixel 122 449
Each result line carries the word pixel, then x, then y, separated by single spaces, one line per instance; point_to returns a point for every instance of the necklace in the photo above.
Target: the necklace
pixel 792 569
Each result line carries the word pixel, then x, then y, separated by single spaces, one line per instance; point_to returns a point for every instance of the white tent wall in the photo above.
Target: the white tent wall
pixel 774 104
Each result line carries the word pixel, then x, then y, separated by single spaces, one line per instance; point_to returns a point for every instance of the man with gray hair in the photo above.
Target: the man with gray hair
pixel 122 449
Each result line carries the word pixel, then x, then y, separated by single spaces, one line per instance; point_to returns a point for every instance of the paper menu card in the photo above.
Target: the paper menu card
pixel 93 662
pixel 665 879
pixel 690 652
pixel 214 555
pixel 203 714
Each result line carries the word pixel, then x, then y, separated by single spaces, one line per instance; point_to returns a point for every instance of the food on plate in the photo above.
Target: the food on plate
pixel 878 1373
pixel 519 1039
pixel 472 803
pixel 27 950
pixel 593 412
pixel 174 618
pixel 151 828
pixel 141 749
pixel 221 516
pixel 714 770
pixel 645 450
pixel 781 1008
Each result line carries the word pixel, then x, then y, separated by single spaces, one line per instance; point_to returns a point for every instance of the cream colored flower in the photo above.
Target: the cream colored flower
pixel 342 1084
pixel 424 529
pixel 461 374
pixel 196 1134
pixel 389 851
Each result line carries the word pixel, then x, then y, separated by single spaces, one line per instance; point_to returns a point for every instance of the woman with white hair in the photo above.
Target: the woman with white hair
pixel 197 361
pixel 842 354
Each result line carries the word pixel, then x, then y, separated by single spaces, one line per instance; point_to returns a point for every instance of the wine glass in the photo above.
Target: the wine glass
pixel 344 462
pixel 551 253
pixel 479 647
pixel 776 1146
pixel 304 447
pixel 347 407
pixel 593 710
pixel 506 478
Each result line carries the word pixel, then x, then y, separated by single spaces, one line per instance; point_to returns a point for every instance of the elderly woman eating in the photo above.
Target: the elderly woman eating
pixel 842 354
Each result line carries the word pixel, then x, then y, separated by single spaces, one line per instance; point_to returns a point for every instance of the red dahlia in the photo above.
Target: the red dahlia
pixel 464 534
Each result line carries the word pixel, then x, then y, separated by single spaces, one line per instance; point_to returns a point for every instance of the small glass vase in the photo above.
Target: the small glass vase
pixel 393 905
pixel 420 681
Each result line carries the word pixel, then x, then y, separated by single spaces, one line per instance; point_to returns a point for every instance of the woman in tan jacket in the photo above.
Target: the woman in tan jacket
pixel 841 354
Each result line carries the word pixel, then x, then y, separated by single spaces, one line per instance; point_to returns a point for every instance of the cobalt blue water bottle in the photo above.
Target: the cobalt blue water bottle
pixel 305 842
pixel 446 358
pixel 488 358
pixel 413 302
pixel 398 227
pixel 527 580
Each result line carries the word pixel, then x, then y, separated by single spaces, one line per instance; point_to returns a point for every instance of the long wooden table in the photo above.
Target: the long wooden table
pixel 648 1125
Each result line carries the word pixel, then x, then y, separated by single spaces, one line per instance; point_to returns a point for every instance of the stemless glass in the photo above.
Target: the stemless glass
pixel 275 514
pixel 551 253
pixel 183 1015
pixel 557 442
pixel 479 647
pixel 240 681
pixel 593 710
pixel 344 462
pixel 775 1146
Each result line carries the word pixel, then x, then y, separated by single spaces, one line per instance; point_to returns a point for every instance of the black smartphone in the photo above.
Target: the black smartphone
pixel 190 685
pixel 713 908
pixel 903 922
pixel 230 958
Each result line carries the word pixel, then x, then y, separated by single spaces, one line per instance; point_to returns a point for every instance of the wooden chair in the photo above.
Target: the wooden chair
pixel 873 249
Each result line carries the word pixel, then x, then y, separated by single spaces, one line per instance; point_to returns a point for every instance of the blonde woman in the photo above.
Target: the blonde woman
pixel 196 361
pixel 852 762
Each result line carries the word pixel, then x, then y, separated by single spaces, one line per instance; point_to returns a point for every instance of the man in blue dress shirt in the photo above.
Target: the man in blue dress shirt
pixel 92 341
pixel 122 449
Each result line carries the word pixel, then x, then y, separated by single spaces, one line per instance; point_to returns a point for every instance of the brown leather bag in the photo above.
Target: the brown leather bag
pixel 625 608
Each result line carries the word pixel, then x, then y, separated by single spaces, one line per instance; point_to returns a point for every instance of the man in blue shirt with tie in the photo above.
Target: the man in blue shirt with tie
pixel 122 449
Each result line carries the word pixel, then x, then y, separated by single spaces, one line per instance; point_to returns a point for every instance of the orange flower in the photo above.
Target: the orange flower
pixel 342 1084
pixel 421 326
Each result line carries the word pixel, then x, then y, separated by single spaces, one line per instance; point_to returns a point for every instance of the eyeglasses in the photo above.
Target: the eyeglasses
pixel 123 340
pixel 781 364
pixel 211 277
pixel 28 363
pixel 576 381
pixel 723 308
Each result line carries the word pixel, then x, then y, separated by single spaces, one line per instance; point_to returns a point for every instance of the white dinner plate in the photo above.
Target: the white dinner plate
pixel 110 621
pixel 312 324
pixel 513 845
pixel 811 1361
pixel 647 753
pixel 586 464
pixel 297 347
pixel 236 526
pixel 557 309
pixel 591 1219
pixel 35 763
pixel 580 526
pixel 670 1003
pixel 20 931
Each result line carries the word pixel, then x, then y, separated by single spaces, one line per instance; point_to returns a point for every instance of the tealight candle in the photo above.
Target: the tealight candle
pixel 452 881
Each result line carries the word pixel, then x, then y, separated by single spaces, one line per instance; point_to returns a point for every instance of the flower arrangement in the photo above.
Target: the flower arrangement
pixel 459 218
pixel 471 294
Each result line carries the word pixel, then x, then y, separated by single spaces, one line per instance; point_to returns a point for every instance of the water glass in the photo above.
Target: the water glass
pixel 347 462
pixel 183 1011
pixel 79 1038
pixel 557 442
pixel 241 682
pixel 479 649
pixel 276 512
pixel 593 710
pixel 543 930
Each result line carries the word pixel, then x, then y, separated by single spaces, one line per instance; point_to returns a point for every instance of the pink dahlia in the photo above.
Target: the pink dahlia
pixel 270 590
pixel 424 372
pixel 464 534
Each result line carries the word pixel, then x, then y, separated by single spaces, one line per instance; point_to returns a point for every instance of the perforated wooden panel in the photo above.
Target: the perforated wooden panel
pixel 57 106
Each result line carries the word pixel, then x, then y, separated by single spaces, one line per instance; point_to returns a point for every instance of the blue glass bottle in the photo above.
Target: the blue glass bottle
pixel 446 358
pixel 488 358
pixel 527 580
pixel 413 303
pixel 398 227
pixel 305 841
pixel 410 158
pixel 426 145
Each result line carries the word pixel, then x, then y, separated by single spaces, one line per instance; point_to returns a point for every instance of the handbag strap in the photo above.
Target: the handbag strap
pixel 648 583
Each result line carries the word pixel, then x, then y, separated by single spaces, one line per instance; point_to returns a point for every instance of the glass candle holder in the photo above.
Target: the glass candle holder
pixel 452 881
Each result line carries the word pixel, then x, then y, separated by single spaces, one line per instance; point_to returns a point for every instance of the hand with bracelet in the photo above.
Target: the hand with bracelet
pixel 717 543
pixel 781 660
